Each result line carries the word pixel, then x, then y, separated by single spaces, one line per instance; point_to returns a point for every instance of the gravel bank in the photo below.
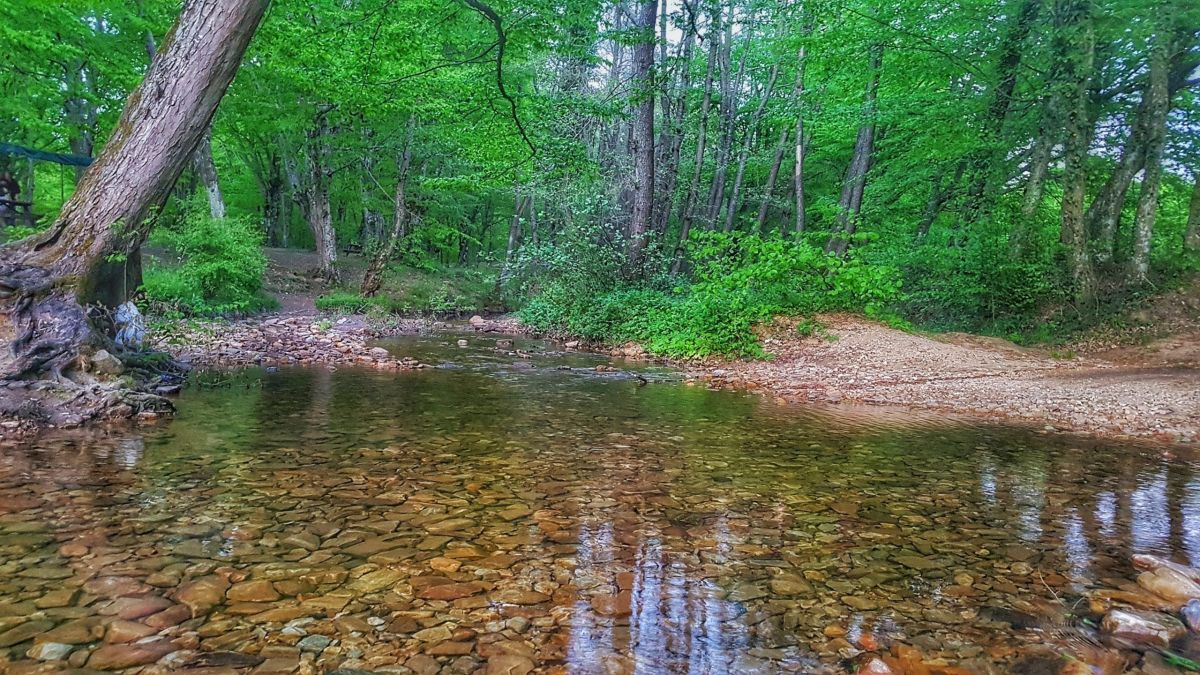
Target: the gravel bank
pixel 855 360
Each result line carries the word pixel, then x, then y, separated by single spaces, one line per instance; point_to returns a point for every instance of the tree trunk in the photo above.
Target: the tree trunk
pixel 80 114
pixel 728 107
pixel 674 147
pixel 520 204
pixel 1191 236
pixel 1076 55
pixel 320 216
pixel 643 134
pixel 274 206
pixel 747 145
pixel 801 144
pixel 687 212
pixel 46 280
pixel 371 280
pixel 206 169
pixel 1158 104
pixel 850 203
pixel 982 162
pixel 772 177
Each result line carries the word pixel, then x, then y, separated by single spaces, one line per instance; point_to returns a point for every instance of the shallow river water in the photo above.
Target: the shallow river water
pixel 501 513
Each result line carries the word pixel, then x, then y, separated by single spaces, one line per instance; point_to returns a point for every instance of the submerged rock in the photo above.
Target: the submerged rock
pixel 1141 630
pixel 1170 585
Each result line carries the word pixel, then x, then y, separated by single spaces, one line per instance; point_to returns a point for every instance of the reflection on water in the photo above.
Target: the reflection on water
pixel 529 517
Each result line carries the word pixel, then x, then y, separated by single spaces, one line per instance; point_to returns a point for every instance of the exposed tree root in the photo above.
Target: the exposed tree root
pixel 50 370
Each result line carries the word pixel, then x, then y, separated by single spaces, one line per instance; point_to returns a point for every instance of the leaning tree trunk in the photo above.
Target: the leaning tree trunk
pixel 45 281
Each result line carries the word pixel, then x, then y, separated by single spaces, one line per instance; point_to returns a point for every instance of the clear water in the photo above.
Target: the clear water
pixel 575 521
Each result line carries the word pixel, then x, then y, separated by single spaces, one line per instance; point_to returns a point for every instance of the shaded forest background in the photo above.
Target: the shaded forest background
pixel 670 173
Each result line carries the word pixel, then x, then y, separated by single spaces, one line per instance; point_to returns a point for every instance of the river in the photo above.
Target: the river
pixel 514 509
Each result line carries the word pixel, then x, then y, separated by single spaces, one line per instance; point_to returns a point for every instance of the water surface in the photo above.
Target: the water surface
pixel 520 509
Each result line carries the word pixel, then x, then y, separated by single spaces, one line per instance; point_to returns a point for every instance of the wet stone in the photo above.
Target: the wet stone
pixel 24 631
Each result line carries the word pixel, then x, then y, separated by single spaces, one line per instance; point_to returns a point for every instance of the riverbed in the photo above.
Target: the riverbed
pixel 519 509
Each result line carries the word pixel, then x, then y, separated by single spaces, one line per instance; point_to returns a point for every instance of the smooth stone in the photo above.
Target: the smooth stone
pixel 434 634
pixel 172 616
pixel 24 632
pixel 451 648
pixel 314 643
pixel 745 592
pixel 787 584
pixel 1170 585
pixel 130 608
pixel 508 664
pixel 451 591
pixel 1191 615
pixel 119 657
pixel 517 596
pixel 202 594
pixel 63 597
pixel 378 580
pixel 1141 630
pixel 617 605
pixel 450 525
pixel 259 590
pixel 50 651
pixel 80 631
pixel 918 563
pixel 121 631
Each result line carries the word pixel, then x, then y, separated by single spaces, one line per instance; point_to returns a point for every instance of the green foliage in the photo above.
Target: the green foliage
pixel 219 268
pixel 407 290
pixel 741 281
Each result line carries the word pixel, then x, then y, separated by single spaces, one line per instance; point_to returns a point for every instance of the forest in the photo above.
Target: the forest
pixel 670 173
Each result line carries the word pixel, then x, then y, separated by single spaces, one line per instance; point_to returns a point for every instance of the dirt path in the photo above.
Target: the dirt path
pixel 1150 392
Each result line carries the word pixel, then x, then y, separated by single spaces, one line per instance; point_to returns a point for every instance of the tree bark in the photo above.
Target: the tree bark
pixel 674 137
pixel 982 162
pixel 275 215
pixel 772 178
pixel 1191 236
pixel 46 280
pixel 728 108
pixel 1076 54
pixel 320 216
pixel 206 169
pixel 850 203
pixel 687 212
pixel 371 280
pixel 1158 104
pixel 801 144
pixel 747 144
pixel 643 134
pixel 80 113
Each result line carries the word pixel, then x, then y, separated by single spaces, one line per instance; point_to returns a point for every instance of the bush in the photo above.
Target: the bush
pixel 740 280
pixel 220 268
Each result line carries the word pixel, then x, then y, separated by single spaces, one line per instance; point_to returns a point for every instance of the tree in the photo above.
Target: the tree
pixel 642 138
pixel 47 280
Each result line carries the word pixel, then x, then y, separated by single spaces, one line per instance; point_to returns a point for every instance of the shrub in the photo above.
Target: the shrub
pixel 219 271
pixel 739 280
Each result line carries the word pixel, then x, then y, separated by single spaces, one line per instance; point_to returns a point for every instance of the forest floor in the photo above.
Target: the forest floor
pixel 1141 381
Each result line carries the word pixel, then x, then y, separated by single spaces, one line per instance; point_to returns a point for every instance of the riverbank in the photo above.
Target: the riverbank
pixel 1153 392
